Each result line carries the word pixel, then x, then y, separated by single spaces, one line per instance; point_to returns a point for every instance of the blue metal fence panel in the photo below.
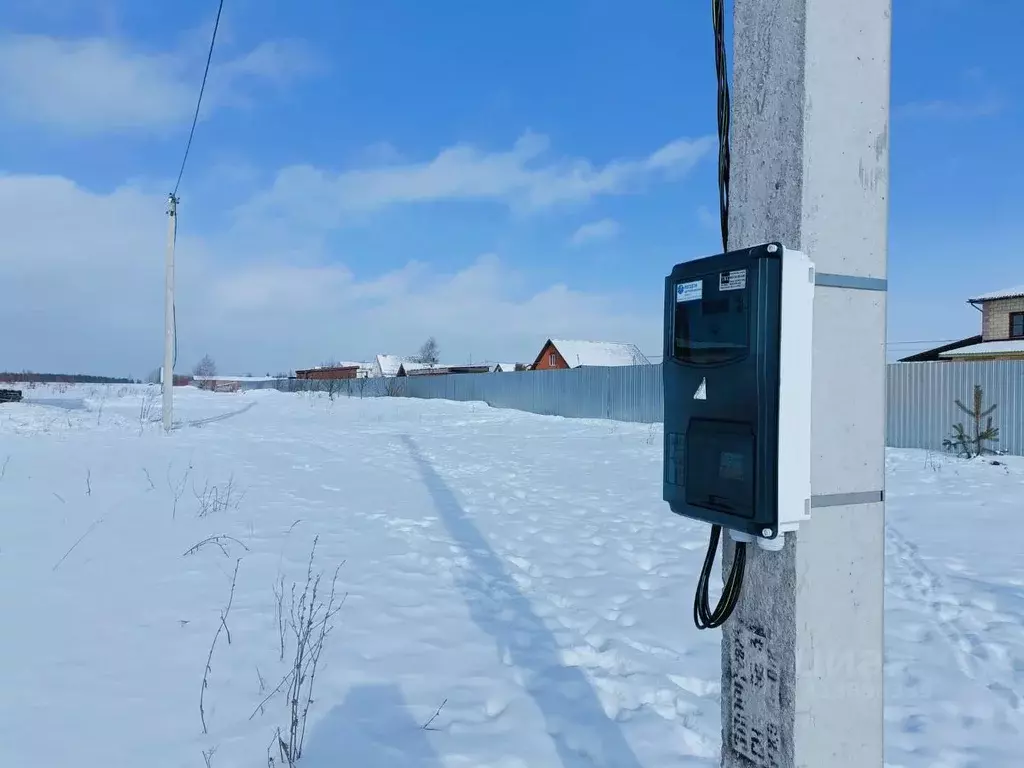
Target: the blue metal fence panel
pixel 920 397
pixel 921 401
pixel 345 387
pixel 630 393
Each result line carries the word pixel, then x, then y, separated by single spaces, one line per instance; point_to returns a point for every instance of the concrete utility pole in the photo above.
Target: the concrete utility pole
pixel 169 329
pixel 802 654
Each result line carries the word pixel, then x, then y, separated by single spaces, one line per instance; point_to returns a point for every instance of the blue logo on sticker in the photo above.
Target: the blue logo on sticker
pixel 680 289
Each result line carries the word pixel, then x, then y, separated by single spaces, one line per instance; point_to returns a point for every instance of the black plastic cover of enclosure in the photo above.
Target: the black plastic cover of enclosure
pixel 721 388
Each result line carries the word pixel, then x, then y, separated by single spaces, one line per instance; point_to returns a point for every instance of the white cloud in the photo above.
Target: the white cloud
pixel 978 99
pixel 987 105
pixel 707 218
pixel 83 278
pixel 521 177
pixel 595 231
pixel 95 85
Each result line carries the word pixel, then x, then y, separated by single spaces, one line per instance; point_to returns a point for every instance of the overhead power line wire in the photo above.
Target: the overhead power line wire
pixel 199 101
pixel 188 147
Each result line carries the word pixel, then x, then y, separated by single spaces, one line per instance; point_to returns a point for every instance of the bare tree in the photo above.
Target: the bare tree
pixel 205 367
pixel 394 386
pixel 332 388
pixel 428 353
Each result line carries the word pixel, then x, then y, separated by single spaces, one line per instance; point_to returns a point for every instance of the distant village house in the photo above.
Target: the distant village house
pixel 562 354
pixel 232 383
pixel 329 373
pixel 438 369
pixel 388 365
pixel 1002 331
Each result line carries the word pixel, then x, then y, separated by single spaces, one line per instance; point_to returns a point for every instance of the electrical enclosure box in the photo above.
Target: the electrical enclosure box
pixel 737 389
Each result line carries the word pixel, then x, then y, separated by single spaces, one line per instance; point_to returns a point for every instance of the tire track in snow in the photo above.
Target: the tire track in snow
pixel 959 622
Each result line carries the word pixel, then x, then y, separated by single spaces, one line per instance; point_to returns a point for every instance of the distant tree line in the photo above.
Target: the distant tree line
pixel 28 377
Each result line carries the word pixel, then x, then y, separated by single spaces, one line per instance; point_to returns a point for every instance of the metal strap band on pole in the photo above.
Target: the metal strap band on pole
pixel 853 282
pixel 846 499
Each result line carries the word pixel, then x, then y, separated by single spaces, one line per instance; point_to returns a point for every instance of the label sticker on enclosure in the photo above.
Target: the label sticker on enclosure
pixel 732 281
pixel 690 291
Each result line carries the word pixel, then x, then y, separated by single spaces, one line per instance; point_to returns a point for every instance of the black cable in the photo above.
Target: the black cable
pixel 721 71
pixel 184 158
pixel 174 325
pixel 199 101
pixel 703 616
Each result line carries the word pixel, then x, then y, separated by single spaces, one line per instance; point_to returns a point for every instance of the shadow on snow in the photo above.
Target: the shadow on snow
pixel 581 731
pixel 371 728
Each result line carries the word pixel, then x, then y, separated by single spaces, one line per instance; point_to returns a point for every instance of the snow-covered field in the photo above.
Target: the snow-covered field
pixel 518 596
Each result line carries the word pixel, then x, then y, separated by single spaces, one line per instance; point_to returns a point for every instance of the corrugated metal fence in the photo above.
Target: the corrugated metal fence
pixel 631 393
pixel 920 414
pixel 921 397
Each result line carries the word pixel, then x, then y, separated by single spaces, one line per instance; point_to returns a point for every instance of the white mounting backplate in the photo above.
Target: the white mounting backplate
pixel 795 353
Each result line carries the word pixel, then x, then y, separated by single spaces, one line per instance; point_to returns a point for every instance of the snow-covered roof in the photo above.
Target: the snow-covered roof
pixel 599 353
pixel 1006 293
pixel 236 378
pixel 1015 346
pixel 388 365
pixel 504 367
pixel 421 369
pixel 334 366
pixel 411 367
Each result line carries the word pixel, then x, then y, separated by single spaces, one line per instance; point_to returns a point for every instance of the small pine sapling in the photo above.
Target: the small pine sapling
pixel 968 444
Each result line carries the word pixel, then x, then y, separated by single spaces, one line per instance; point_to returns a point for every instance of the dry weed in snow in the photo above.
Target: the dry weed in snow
pixel 214 498
pixel 309 623
pixel 178 487
pixel 223 626
pixel 222 541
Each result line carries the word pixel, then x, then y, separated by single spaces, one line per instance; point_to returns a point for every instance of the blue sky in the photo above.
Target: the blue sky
pixel 366 174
